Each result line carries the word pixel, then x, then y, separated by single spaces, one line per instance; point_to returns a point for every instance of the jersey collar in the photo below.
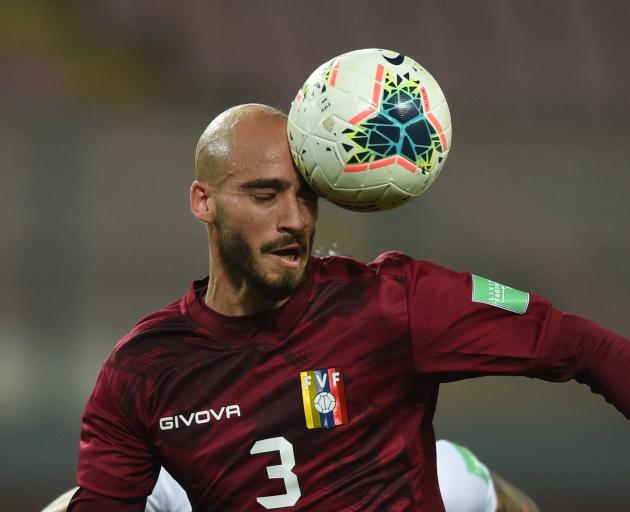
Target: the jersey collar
pixel 266 328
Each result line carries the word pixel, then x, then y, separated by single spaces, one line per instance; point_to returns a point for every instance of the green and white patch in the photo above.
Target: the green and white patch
pixel 473 465
pixel 496 294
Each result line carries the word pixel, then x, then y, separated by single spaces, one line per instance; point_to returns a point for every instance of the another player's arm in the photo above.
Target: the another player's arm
pixel 511 499
pixel 93 502
pixel 467 485
pixel 85 500
pixel 60 504
pixel 167 496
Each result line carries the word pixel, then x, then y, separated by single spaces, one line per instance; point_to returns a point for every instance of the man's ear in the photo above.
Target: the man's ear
pixel 201 201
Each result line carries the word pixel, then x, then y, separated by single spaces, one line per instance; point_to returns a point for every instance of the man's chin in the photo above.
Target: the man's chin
pixel 281 284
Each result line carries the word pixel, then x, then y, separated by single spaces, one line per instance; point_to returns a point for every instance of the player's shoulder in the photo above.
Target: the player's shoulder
pixel 391 263
pixel 346 267
pixel 155 332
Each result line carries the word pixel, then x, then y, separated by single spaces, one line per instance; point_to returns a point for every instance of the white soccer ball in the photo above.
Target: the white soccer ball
pixel 324 402
pixel 370 130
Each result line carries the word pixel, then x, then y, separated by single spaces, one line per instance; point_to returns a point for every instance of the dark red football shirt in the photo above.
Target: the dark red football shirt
pixel 222 402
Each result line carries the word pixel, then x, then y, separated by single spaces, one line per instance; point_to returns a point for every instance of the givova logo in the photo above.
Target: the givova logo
pixel 199 417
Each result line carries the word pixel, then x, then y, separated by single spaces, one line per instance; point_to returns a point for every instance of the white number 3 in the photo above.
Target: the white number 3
pixel 282 470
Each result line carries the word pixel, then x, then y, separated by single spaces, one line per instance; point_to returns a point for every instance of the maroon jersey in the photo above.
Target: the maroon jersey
pixel 323 404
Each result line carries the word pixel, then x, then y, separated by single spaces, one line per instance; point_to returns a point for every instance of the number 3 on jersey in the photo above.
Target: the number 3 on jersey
pixel 282 470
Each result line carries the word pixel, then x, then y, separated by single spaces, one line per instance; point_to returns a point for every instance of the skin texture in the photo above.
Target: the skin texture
pixel 511 499
pixel 259 213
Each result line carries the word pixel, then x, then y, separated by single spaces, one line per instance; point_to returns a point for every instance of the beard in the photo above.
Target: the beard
pixel 241 262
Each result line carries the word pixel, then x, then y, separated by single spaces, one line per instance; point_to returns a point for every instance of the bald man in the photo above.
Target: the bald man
pixel 287 381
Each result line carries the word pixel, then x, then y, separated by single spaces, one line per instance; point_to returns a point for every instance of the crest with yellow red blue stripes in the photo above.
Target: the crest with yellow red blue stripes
pixel 324 398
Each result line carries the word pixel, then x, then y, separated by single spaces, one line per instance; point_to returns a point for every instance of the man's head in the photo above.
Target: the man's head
pixel 259 212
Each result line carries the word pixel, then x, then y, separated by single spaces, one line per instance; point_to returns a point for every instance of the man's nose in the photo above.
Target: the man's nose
pixel 293 215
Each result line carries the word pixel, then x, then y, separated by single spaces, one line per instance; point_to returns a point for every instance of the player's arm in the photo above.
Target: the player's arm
pixel 592 355
pixel 464 326
pixel 467 485
pixel 511 499
pixel 167 496
pixel 60 504
pixel 85 500
pixel 93 502
pixel 117 469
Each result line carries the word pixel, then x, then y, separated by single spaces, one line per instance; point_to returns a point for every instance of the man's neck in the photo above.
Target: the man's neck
pixel 227 300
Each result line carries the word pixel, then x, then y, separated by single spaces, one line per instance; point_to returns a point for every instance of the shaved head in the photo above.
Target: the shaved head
pixel 259 213
pixel 219 142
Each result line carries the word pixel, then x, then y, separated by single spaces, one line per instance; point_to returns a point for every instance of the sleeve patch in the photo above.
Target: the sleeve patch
pixel 473 465
pixel 496 294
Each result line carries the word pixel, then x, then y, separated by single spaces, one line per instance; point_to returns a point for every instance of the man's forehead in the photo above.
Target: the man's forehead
pixel 264 160
pixel 240 140
pixel 259 175
pixel 260 137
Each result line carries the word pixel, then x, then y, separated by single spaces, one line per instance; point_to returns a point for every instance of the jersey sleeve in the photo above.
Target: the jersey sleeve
pixel 60 504
pixel 465 482
pixel 463 325
pixel 115 459
pixel 85 500
pixel 167 496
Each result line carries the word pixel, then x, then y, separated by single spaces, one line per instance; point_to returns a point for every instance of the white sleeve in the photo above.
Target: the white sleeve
pixel 167 496
pixel 465 483
pixel 61 503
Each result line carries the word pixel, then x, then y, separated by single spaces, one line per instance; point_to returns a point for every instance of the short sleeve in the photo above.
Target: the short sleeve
pixel 463 325
pixel 465 482
pixel 115 459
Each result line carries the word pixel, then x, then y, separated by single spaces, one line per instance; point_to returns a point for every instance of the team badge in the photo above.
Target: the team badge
pixel 324 398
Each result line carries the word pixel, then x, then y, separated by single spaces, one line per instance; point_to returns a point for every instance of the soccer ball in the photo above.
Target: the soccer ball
pixel 324 402
pixel 370 130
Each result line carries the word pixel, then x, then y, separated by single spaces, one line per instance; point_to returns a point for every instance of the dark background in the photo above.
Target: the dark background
pixel 101 105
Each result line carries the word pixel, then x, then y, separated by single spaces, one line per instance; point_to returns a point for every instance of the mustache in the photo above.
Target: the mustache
pixel 283 241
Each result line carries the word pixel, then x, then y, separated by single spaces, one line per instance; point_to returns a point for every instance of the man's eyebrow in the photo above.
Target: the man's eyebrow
pixel 273 183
